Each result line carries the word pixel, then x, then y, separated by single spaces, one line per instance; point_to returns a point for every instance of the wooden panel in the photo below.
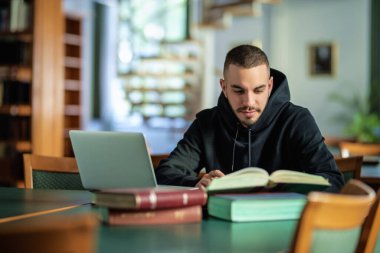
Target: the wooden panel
pixel 47 122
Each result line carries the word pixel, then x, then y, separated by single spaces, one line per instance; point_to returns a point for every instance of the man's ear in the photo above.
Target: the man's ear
pixel 223 85
pixel 270 86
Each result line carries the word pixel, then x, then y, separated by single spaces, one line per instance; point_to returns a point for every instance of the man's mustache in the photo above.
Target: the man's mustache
pixel 248 108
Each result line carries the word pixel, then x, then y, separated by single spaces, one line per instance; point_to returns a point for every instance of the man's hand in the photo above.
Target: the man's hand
pixel 207 178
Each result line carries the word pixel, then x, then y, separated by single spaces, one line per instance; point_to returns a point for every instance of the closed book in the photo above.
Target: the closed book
pixel 188 214
pixel 12 51
pixel 23 93
pixel 150 198
pixel 256 206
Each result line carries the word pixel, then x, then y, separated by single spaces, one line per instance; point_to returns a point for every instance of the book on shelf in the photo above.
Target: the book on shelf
pixel 14 92
pixel 149 198
pixel 19 15
pixel 256 206
pixel 187 214
pixel 14 128
pixel 254 178
pixel 13 51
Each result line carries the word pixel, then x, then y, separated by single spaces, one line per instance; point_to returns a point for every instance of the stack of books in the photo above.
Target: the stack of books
pixel 147 206
pixel 251 194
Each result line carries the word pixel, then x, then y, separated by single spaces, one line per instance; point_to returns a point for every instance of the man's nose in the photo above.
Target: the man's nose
pixel 249 99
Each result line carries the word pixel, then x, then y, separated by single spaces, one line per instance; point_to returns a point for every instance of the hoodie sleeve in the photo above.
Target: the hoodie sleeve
pixel 184 162
pixel 312 155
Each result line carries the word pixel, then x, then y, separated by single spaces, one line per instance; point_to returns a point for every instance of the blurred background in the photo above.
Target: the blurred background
pixel 151 65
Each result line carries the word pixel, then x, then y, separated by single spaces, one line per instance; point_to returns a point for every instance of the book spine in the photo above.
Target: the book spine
pixel 189 214
pixel 161 200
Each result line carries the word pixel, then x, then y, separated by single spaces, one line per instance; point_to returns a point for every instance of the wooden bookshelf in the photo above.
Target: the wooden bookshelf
pixel 73 78
pixel 219 14
pixel 167 86
pixel 31 82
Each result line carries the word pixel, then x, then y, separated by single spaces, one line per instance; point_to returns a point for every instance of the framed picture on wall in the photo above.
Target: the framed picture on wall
pixel 322 59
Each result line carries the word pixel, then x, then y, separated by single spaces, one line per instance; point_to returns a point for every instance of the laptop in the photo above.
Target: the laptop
pixel 113 160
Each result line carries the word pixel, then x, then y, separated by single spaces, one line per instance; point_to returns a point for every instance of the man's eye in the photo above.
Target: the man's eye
pixel 259 91
pixel 239 91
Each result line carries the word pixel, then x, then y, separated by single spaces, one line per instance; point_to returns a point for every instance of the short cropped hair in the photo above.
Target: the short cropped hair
pixel 246 56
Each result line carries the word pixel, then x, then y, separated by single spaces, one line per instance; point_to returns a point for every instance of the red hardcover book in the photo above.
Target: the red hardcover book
pixel 149 198
pixel 188 214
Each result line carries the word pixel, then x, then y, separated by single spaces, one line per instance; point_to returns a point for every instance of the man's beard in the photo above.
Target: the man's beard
pixel 249 122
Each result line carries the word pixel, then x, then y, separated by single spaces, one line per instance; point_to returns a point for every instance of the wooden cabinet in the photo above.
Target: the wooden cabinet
pixel 31 81
pixel 73 77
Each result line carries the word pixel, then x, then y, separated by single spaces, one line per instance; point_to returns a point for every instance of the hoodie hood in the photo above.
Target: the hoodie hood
pixel 279 97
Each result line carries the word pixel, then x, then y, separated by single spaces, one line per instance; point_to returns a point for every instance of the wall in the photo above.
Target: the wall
pixel 346 23
pixel 287 29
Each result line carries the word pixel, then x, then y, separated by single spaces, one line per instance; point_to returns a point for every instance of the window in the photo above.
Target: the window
pixel 157 62
pixel 144 25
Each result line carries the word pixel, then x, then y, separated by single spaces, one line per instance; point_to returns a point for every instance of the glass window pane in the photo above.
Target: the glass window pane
pixel 175 111
pixel 173 97
pixel 154 74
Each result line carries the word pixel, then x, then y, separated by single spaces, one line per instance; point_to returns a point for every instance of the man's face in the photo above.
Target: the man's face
pixel 247 91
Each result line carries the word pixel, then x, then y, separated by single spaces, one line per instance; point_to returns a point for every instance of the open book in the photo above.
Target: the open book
pixel 281 180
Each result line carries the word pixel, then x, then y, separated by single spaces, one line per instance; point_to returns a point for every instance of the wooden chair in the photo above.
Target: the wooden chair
pixel 356 148
pixel 332 222
pixel 350 166
pixel 157 158
pixel 51 172
pixel 51 233
pixel 369 238
pixel 333 142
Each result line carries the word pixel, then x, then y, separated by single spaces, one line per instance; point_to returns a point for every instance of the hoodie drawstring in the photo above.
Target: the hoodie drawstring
pixel 233 149
pixel 249 147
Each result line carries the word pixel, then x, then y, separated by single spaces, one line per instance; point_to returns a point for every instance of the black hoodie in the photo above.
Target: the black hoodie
pixel 285 136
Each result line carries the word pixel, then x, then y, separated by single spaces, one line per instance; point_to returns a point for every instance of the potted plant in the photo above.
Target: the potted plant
pixel 361 125
pixel 365 128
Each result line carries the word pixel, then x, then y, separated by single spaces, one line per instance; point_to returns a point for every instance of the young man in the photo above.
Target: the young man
pixel 254 124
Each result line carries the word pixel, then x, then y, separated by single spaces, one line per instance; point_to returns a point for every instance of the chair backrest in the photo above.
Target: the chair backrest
pixel 333 142
pixel 49 172
pixel 350 166
pixel 156 158
pixel 51 233
pixel 332 222
pixel 356 148
pixel 369 238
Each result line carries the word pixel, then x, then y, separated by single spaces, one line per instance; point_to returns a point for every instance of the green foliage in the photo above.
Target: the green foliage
pixel 365 128
pixel 362 125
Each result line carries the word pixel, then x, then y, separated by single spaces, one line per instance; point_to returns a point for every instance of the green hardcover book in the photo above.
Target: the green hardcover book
pixel 256 206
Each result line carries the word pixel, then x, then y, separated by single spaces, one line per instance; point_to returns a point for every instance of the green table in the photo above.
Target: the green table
pixel 21 203
pixel 371 171
pixel 370 174
pixel 211 235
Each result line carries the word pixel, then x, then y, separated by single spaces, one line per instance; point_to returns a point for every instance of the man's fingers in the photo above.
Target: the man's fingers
pixel 207 178
pixel 216 173
pixel 204 182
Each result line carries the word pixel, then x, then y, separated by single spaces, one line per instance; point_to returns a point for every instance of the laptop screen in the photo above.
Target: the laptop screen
pixel 112 159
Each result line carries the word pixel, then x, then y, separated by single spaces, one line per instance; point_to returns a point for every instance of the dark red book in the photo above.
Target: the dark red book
pixel 149 198
pixel 188 214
